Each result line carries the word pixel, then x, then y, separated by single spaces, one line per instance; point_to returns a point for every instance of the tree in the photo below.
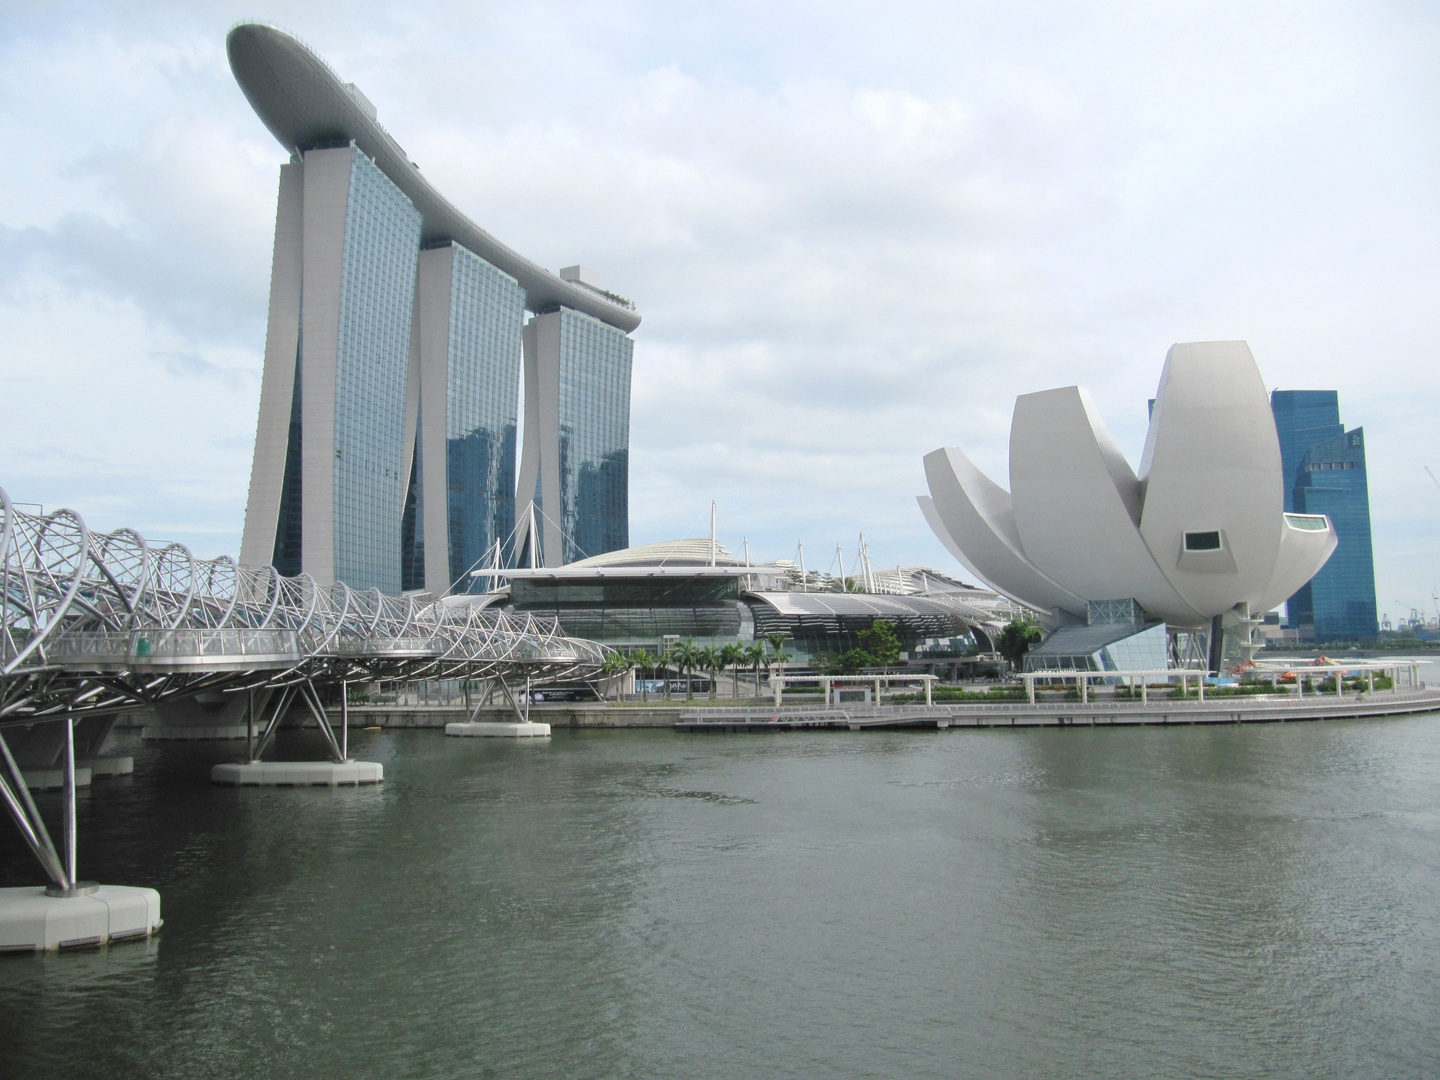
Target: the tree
pixel 1015 639
pixel 616 663
pixel 777 646
pixel 672 658
pixel 645 662
pixel 687 657
pixel 732 656
pixel 880 643
pixel 756 655
pixel 711 662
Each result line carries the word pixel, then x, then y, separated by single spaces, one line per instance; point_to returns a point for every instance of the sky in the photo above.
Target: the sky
pixel 855 233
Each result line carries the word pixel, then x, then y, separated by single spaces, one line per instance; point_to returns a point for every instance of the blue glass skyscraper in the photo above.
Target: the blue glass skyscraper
pixel 1325 474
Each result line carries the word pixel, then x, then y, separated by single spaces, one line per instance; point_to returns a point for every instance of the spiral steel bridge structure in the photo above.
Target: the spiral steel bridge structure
pixel 94 624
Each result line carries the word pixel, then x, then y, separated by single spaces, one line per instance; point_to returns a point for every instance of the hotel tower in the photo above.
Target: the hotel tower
pixel 397 338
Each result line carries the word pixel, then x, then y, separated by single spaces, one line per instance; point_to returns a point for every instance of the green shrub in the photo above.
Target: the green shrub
pixel 956 694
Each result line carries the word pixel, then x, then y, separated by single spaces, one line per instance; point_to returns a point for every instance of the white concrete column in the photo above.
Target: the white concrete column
pixel 277 381
pixel 326 200
pixel 432 302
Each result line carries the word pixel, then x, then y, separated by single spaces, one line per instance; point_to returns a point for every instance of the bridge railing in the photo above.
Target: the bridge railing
pixel 161 646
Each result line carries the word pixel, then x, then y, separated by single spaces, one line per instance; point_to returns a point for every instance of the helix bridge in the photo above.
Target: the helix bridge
pixel 97 624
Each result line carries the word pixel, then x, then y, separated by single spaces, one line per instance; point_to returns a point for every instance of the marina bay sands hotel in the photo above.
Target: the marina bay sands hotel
pixel 397 336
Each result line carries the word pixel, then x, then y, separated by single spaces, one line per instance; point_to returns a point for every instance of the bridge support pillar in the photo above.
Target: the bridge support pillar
pixel 68 912
pixel 340 771
pixel 522 727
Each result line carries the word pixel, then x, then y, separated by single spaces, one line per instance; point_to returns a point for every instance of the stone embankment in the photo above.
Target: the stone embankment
pixel 700 715
pixel 585 714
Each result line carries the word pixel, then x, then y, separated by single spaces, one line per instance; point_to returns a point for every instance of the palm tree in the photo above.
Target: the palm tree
pixel 688 657
pixel 712 661
pixel 680 656
pixel 617 663
pixel 644 661
pixel 732 656
pixel 777 645
pixel 671 659
pixel 756 655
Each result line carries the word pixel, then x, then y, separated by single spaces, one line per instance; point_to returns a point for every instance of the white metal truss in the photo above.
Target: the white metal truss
pixel 102 622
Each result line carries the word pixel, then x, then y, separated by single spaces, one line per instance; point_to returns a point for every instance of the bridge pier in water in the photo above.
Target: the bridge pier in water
pixel 522 727
pixel 69 912
pixel 340 771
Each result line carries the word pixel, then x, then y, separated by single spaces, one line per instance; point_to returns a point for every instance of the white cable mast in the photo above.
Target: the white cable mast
pixel 712 532
pixel 867 575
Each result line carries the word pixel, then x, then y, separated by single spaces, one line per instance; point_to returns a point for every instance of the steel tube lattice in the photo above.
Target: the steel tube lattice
pixel 102 622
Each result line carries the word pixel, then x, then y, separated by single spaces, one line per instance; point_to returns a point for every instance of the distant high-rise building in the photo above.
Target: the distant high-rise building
pixel 386 444
pixel 1324 468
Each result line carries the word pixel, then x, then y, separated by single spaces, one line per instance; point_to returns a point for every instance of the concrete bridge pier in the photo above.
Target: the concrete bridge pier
pixel 211 715
pixel 522 727
pixel 69 912
pixel 340 771
pixel 39 749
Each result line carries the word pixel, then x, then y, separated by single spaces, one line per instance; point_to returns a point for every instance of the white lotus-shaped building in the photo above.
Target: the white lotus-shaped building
pixel 1198 533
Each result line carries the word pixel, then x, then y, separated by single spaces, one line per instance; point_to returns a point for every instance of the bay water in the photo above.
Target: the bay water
pixel 1246 901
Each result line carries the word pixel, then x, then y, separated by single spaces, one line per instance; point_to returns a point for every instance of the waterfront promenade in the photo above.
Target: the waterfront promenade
pixel 705 715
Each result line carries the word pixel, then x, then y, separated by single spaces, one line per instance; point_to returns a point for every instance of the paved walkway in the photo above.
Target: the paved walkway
pixel 1106 712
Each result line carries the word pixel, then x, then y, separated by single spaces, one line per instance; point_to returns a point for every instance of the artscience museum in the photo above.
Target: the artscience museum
pixel 1197 538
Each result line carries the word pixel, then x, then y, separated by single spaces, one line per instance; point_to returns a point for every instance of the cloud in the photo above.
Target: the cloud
pixel 854 233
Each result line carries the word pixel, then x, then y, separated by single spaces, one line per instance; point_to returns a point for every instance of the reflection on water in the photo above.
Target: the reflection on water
pixel 1230 901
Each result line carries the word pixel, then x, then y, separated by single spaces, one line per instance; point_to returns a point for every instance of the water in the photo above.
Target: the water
pixel 1260 901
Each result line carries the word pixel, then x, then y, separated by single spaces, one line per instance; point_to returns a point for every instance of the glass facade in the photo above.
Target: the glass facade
pixel 382 245
pixel 1325 474
pixel 487 313
pixel 1303 418
pixel 1115 646
pixel 595 362
pixel 820 630
pixel 412 530
pixel 1339 601
pixel 637 611
pixel 288 532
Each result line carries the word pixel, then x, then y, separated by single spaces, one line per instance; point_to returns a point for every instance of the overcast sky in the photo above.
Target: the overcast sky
pixel 855 233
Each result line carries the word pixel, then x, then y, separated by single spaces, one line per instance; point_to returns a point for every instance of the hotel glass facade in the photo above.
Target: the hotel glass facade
pixel 595 362
pixel 382 242
pixel 487 311
pixel 1325 474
